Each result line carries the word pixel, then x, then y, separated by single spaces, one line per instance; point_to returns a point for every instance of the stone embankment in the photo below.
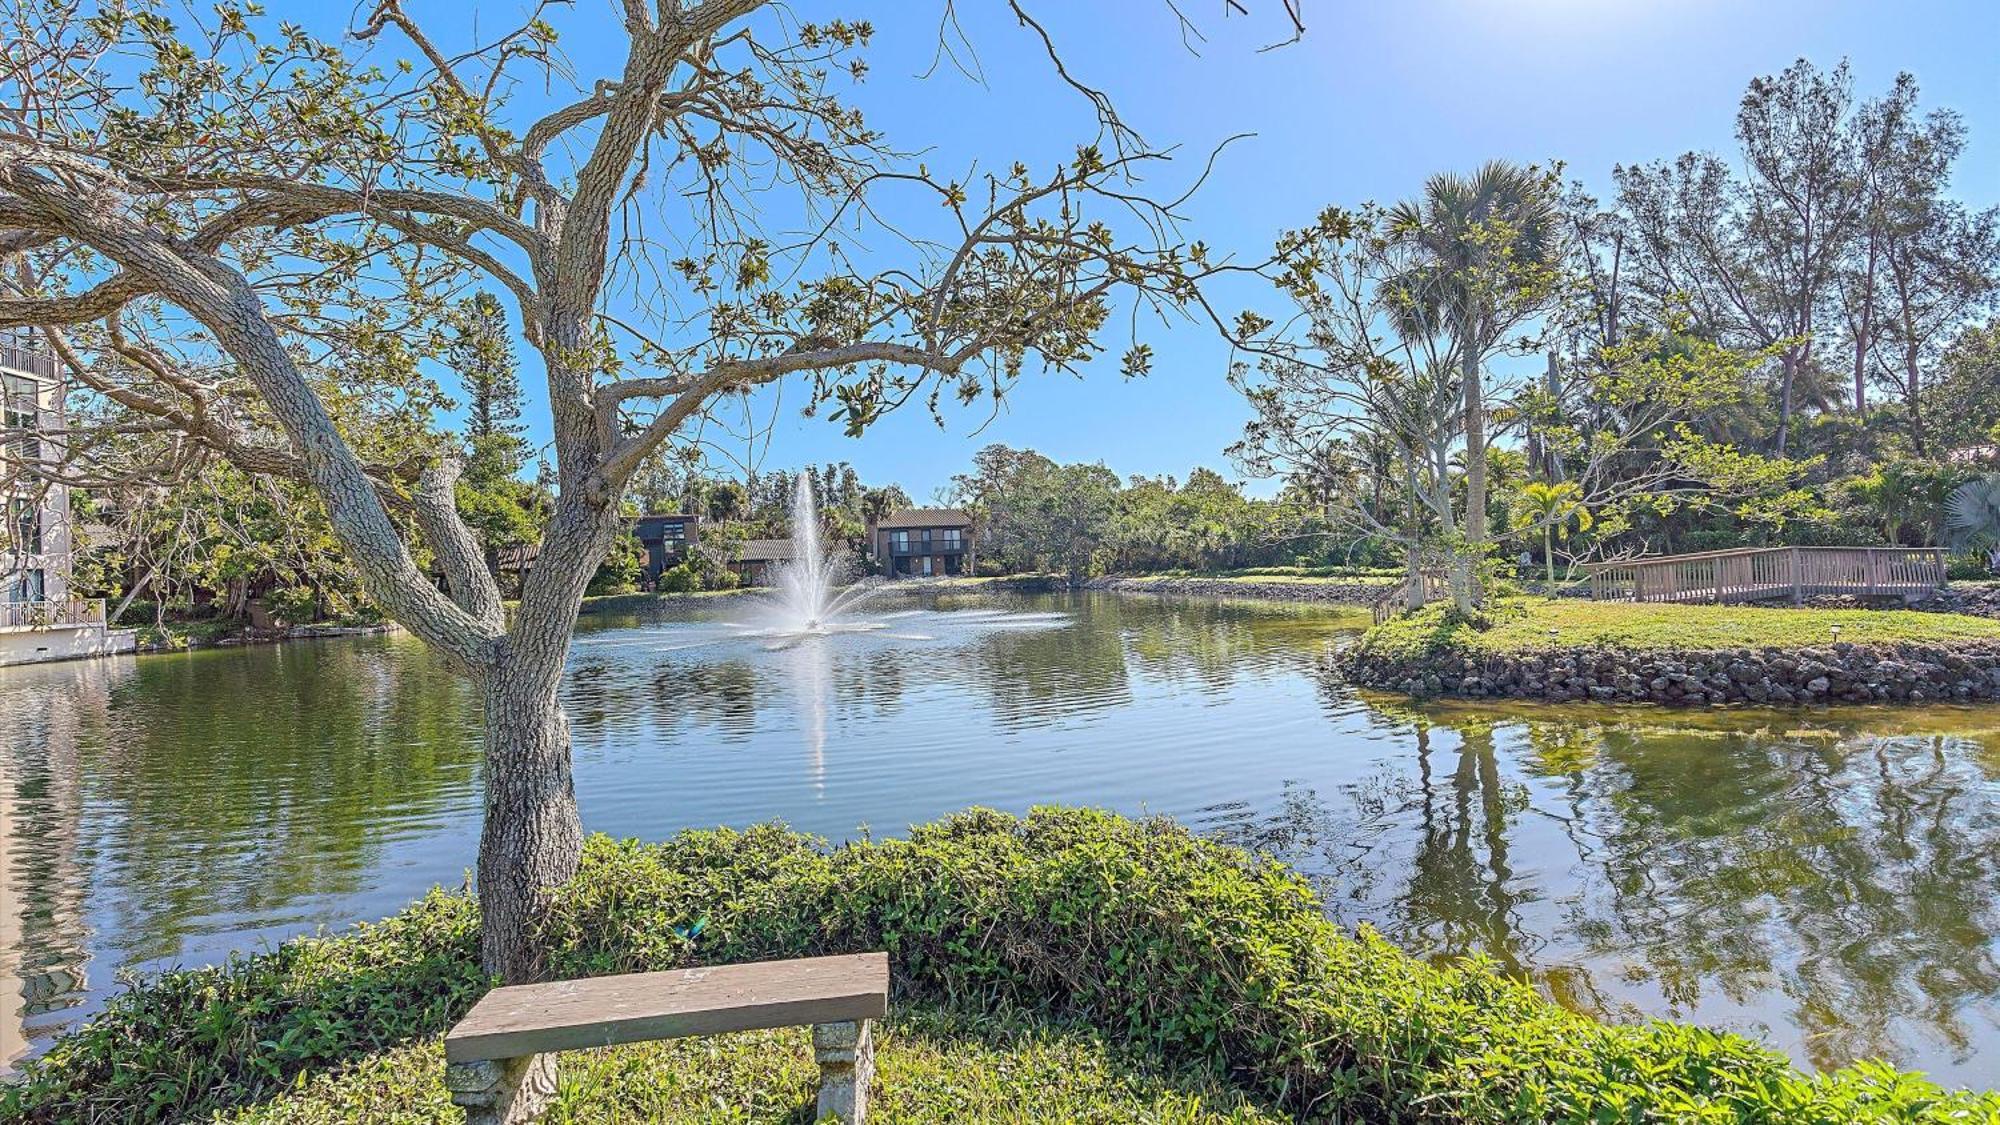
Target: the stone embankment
pixel 250 636
pixel 1840 673
pixel 1355 593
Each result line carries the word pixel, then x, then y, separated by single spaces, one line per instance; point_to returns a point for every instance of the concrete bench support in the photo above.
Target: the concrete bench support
pixel 499 1069
pixel 846 1054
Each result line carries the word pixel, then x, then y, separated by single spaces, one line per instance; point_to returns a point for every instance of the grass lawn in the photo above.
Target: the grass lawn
pixel 929 1066
pixel 1523 624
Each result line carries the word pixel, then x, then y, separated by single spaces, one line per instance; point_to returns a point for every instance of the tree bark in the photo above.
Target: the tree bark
pixel 1913 388
pixel 1788 367
pixel 533 835
pixel 1413 532
pixel 1465 592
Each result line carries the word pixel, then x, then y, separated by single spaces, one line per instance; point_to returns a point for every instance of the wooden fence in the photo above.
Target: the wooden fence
pixel 1754 574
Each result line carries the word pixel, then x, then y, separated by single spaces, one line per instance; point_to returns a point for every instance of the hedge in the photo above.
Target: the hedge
pixel 1195 952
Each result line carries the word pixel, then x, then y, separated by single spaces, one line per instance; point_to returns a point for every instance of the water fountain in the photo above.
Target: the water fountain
pixel 810 599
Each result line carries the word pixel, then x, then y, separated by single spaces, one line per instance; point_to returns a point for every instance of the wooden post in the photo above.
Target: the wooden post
pixel 1798 587
pixel 846 1054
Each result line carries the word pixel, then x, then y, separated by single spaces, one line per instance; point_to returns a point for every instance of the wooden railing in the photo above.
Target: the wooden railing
pixel 1397 600
pixel 43 615
pixel 1770 573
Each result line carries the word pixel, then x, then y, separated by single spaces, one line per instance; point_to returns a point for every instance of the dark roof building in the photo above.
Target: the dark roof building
pixel 666 537
pixel 923 543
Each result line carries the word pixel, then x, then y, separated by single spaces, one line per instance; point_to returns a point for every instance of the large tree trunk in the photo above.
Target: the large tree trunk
pixel 532 836
pixel 1913 389
pixel 1465 591
pixel 1788 368
pixel 1413 534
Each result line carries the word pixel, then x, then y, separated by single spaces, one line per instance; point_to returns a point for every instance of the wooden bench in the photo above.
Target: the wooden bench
pixel 493 1063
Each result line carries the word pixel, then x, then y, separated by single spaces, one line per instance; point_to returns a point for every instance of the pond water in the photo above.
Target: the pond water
pixel 1824 880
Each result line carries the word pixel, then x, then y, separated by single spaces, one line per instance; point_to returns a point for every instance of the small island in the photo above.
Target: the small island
pixel 1568 649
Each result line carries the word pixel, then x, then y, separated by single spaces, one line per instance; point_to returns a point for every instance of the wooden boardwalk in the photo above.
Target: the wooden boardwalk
pixel 1756 574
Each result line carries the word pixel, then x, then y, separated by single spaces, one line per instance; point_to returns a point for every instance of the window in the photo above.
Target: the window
pixel 24 526
pixel 949 539
pixel 899 540
pixel 19 411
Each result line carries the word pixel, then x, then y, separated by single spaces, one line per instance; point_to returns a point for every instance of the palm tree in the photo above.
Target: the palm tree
pixel 1972 517
pixel 1480 253
pixel 1554 507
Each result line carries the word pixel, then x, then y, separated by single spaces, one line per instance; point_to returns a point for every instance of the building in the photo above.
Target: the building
pixel 665 538
pixel 756 559
pixel 39 620
pixel 923 542
pixel 36 564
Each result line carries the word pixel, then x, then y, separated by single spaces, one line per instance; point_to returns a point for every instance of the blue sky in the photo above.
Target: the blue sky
pixel 1374 98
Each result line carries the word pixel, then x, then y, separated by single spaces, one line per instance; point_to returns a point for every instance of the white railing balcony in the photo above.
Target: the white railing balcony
pixel 21 356
pixel 52 614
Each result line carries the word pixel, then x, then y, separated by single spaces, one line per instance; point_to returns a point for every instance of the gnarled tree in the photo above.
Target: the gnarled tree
pixel 242 241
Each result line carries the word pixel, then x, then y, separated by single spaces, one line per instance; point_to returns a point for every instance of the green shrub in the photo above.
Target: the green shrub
pixel 682 579
pixel 293 605
pixel 1968 568
pixel 185 1042
pixel 1194 952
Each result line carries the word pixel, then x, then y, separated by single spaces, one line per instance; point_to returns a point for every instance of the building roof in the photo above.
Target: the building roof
pixel 764 550
pixel 926 517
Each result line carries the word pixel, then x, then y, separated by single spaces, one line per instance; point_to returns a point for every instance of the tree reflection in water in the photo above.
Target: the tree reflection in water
pixel 1810 878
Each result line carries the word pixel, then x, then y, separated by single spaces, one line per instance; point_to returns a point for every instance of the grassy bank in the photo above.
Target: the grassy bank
pixel 932 1065
pixel 1102 969
pixel 1522 625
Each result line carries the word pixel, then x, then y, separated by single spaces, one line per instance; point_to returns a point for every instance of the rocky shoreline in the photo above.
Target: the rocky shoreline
pixel 268 637
pixel 1355 593
pixel 1839 673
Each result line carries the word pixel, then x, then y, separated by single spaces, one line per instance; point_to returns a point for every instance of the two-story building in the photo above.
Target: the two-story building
pixel 923 542
pixel 666 538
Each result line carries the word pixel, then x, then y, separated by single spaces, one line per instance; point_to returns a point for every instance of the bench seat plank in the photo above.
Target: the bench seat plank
pixel 570 1015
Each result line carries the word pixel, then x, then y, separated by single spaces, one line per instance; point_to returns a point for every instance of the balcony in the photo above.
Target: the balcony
pixel 51 614
pixel 929 547
pixel 27 359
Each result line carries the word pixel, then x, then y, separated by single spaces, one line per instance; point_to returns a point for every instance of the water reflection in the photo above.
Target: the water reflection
pixel 1817 881
pixel 1824 880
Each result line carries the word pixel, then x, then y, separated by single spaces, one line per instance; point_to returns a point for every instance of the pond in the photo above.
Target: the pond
pixel 1822 880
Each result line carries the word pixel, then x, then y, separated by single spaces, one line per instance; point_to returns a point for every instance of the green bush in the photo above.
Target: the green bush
pixel 1968 568
pixel 682 579
pixel 1195 952
pixel 293 605
pixel 183 1043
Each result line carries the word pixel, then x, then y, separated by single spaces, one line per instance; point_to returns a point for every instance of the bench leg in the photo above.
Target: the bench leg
pixel 846 1054
pixel 502 1091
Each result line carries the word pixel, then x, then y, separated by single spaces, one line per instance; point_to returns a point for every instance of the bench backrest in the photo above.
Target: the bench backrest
pixel 567 1015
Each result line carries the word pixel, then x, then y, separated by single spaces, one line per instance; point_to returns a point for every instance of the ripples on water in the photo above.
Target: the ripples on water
pixel 1822 879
